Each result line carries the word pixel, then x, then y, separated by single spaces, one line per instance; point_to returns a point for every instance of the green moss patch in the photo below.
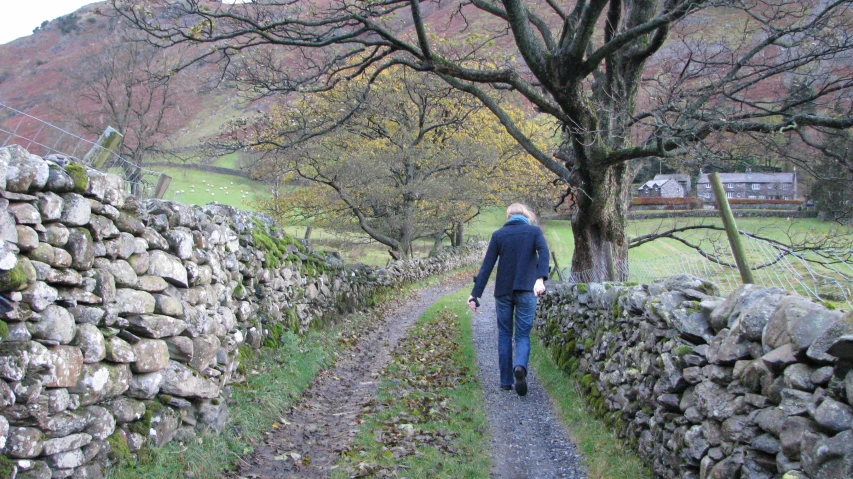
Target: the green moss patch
pixel 78 176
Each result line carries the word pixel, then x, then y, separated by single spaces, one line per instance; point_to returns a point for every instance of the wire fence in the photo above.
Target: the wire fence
pixel 45 139
pixel 823 275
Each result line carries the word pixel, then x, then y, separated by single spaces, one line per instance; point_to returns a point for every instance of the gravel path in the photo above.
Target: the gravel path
pixel 316 430
pixel 528 441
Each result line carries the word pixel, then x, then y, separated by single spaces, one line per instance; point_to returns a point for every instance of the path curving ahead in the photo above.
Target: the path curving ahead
pixel 528 441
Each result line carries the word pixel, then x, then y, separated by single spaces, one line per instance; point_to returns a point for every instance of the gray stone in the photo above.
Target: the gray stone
pixel 139 262
pixel 180 348
pixel 168 267
pixel 43 253
pixel 55 324
pixel 125 409
pixel 7 223
pixel 164 425
pixel 842 348
pixel 66 367
pixel 66 460
pixel 713 401
pixel 81 247
pixel 771 420
pixel 87 314
pixel 779 359
pixel 156 326
pixel 39 296
pixel 56 234
pixel 795 402
pixel 91 342
pixel 833 457
pixel 58 400
pixel 25 213
pixel 821 376
pixel 128 223
pixel 798 376
pixel 792 432
pixel 118 350
pixel 67 443
pixel 18 333
pixel 13 361
pixel 50 206
pixel 125 245
pixel 145 386
pixel 819 349
pixel 28 239
pixel 833 416
pixel 168 305
pixel 101 381
pixel 58 180
pixel 25 171
pixel 105 286
pixel 205 348
pixel 125 276
pixel 131 302
pixel 155 240
pixel 76 210
pixel 179 380
pixel 727 347
pixel 5 159
pixel 152 284
pixel 728 468
pixel 766 443
pixel 151 355
pixel 740 299
pixel 4 431
pixel 100 423
pixel 102 228
pixel 24 442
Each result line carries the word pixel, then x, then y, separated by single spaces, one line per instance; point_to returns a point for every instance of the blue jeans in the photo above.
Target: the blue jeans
pixel 523 304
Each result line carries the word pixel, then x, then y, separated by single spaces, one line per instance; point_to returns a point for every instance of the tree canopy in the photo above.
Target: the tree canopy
pixel 625 79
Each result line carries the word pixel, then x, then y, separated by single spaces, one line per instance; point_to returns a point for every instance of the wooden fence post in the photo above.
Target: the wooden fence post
pixel 109 140
pixel 731 228
pixel 162 186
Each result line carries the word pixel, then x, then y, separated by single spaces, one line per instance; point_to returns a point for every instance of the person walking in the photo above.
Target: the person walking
pixel 522 255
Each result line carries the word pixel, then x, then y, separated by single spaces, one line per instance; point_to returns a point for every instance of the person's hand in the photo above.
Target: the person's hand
pixel 473 303
pixel 539 287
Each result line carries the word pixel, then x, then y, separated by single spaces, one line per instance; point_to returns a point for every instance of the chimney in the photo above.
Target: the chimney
pixel 748 172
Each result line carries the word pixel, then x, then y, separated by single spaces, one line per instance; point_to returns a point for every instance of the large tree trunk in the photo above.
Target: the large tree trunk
pixel 458 233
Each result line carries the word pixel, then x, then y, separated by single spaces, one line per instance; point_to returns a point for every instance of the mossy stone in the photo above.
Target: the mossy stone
pixel 119 450
pixel 19 277
pixel 78 176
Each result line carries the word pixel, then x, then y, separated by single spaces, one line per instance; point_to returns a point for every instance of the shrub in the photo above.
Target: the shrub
pixel 670 203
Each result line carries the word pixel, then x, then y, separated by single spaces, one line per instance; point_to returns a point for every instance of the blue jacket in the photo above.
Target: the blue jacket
pixel 523 259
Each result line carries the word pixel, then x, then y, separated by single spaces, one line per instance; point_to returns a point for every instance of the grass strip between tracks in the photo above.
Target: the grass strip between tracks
pixel 428 419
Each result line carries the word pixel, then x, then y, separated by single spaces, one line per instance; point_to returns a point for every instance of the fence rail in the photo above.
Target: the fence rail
pixel 44 139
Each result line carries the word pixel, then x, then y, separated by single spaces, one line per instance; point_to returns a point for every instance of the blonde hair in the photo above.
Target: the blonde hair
pixel 521 209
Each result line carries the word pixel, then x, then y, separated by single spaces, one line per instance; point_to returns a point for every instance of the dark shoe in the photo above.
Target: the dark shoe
pixel 520 380
pixel 506 388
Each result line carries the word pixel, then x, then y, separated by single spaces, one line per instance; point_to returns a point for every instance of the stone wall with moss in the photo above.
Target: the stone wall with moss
pixel 757 385
pixel 122 322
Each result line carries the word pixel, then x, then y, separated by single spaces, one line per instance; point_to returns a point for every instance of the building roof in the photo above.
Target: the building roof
pixel 674 176
pixel 656 183
pixel 750 178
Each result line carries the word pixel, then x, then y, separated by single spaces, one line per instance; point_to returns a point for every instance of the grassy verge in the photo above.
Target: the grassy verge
pixel 428 419
pixel 605 455
pixel 275 379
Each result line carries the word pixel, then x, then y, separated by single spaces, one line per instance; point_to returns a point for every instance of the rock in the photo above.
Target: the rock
pixel 180 348
pixel 766 443
pixel 164 424
pixel 76 210
pixel 39 296
pixel 66 460
pixel 833 457
pixel 152 284
pixel 101 381
pixel 5 159
pixel 81 247
pixel 155 240
pixel 842 348
pixel 55 324
pixel 131 301
pixel 91 342
pixel 792 431
pixel 87 314
pixel 145 386
pixel 204 352
pixel 168 305
pixel 125 409
pixel 833 416
pixel 25 213
pixel 58 180
pixel 25 172
pixel 151 355
pixel 7 223
pixel 771 420
pixel 797 376
pixel 50 206
pixel 125 276
pixel 105 286
pixel 740 299
pixel 24 442
pixel 13 361
pixel 713 401
pixel 139 262
pixel 66 367
pixel 156 326
pixel 728 468
pixel 19 277
pixel 795 402
pixel 28 239
pixel 821 376
pixel 779 359
pixel 58 400
pixel 100 423
pixel 67 443
pixel 727 347
pixel 118 351
pixel 102 228
pixel 56 234
pixel 839 327
pixel 129 223
pixel 168 267
pixel 179 380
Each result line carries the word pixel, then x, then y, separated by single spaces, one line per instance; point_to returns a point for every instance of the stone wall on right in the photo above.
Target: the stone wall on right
pixel 756 385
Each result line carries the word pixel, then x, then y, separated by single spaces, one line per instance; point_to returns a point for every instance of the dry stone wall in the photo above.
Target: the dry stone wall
pixel 122 320
pixel 756 385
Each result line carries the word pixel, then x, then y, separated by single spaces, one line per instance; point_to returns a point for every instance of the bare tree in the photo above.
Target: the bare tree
pixel 626 79
pixel 128 86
